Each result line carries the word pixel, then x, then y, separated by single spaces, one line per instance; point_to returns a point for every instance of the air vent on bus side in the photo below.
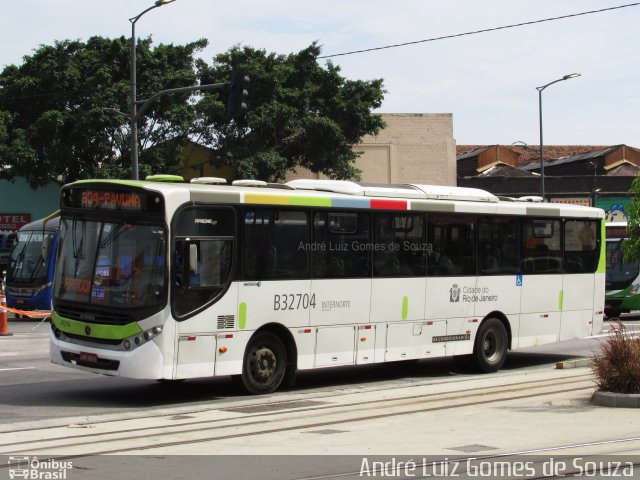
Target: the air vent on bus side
pixel 226 322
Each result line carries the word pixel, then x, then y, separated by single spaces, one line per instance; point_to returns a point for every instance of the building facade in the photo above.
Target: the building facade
pixel 20 204
pixel 412 148
pixel 585 175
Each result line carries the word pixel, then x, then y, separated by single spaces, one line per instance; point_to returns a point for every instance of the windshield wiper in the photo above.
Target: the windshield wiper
pixel 115 233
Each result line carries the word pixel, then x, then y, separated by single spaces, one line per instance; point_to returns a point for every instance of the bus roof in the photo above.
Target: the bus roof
pixel 47 223
pixel 348 194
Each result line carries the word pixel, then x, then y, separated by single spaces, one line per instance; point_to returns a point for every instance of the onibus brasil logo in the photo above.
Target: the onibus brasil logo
pixel 32 468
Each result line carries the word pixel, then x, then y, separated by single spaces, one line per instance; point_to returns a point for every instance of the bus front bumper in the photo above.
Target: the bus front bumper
pixel 144 362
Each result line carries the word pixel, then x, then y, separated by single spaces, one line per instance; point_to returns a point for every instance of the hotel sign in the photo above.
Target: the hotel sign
pixel 14 221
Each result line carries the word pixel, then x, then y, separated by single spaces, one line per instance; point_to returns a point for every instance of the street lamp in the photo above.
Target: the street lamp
pixel 540 89
pixel 133 119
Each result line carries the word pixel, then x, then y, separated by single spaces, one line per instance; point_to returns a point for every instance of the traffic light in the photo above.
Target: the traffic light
pixel 238 94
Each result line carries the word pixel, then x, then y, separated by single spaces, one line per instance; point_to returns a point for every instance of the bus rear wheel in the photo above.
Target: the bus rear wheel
pixel 490 350
pixel 264 364
pixel 612 312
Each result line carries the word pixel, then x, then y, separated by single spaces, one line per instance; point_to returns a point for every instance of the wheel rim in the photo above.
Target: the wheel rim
pixel 493 346
pixel 263 365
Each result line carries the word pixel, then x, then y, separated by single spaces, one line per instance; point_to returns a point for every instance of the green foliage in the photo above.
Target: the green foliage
pixel 57 112
pixel 300 115
pixel 52 110
pixel 617 364
pixel 632 244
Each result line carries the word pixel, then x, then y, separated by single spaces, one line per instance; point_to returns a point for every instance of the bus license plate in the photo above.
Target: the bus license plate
pixel 88 357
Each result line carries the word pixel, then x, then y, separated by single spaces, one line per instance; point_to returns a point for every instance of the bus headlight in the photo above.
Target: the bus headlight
pixel 37 290
pixel 634 291
pixel 134 341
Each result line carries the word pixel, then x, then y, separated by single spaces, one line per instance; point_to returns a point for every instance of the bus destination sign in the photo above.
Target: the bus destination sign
pixel 113 200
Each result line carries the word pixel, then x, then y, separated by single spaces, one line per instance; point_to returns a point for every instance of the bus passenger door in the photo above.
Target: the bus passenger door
pixel 399 285
pixel 451 281
pixel 542 283
pixel 581 258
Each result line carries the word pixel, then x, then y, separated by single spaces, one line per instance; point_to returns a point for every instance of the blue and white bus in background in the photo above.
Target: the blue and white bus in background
pixel 6 242
pixel 31 265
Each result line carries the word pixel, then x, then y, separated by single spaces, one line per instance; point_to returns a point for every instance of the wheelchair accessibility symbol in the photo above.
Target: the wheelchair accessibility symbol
pixel 518 280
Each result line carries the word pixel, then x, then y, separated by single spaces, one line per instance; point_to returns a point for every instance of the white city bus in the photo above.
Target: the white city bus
pixel 169 280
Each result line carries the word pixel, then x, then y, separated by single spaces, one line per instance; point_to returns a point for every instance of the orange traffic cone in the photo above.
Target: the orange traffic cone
pixel 4 325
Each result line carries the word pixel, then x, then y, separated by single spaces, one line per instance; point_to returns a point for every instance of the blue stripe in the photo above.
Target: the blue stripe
pixel 350 202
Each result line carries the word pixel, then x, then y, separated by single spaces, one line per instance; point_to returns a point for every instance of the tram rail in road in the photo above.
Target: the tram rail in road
pixel 162 434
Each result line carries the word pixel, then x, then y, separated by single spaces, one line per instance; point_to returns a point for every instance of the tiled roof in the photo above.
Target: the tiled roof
pixel 531 153
pixel 624 170
pixel 572 158
pixel 504 170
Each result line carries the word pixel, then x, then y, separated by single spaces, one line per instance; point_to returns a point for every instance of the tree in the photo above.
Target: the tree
pixel 632 244
pixel 52 109
pixel 56 112
pixel 300 114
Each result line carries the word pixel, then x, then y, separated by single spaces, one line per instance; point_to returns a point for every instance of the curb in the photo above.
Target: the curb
pixel 581 362
pixel 612 399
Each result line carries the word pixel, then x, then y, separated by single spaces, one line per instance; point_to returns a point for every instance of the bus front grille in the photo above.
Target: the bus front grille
pixel 108 318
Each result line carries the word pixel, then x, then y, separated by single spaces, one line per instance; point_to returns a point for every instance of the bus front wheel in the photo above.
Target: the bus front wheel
pixel 490 350
pixel 264 364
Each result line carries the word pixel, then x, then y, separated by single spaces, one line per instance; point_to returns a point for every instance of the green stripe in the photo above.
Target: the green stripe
pixel 128 183
pixel 602 262
pixel 405 307
pixel 109 332
pixel 242 316
pixel 311 201
pixel 561 300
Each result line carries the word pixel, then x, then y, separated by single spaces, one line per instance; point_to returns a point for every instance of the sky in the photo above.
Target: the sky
pixel 487 81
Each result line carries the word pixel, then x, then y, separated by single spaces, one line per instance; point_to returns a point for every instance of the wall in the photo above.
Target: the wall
pixel 17 197
pixel 413 148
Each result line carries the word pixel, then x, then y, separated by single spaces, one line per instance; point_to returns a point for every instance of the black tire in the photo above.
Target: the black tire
pixel 612 312
pixel 265 364
pixel 490 349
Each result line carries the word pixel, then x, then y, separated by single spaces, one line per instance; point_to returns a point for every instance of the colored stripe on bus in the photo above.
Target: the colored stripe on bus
pixel 350 203
pixel 108 332
pixel 389 204
pixel 263 199
pixel 311 201
pixel 242 316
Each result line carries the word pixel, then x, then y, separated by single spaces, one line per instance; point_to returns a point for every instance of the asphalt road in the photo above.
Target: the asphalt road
pixel 326 427
pixel 31 388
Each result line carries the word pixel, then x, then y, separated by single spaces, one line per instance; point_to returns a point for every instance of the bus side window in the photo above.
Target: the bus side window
pixel 342 245
pixel 542 246
pixel 275 244
pixel 581 246
pixel 452 238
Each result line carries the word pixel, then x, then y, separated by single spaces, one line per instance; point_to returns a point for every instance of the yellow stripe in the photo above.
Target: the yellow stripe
pixel 266 199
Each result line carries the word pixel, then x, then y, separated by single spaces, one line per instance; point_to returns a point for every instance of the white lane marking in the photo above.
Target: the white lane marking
pixel 21 353
pixel 17 368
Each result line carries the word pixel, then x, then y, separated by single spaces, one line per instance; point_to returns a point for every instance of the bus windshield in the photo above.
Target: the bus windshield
pixel 111 264
pixel 620 274
pixel 29 261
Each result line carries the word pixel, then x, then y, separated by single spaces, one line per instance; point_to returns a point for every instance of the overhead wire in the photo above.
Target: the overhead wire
pixel 484 30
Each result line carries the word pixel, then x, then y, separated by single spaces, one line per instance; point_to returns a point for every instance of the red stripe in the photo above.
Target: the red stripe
pixel 389 204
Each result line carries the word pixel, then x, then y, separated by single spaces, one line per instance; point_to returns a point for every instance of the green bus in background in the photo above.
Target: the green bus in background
pixel 623 278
